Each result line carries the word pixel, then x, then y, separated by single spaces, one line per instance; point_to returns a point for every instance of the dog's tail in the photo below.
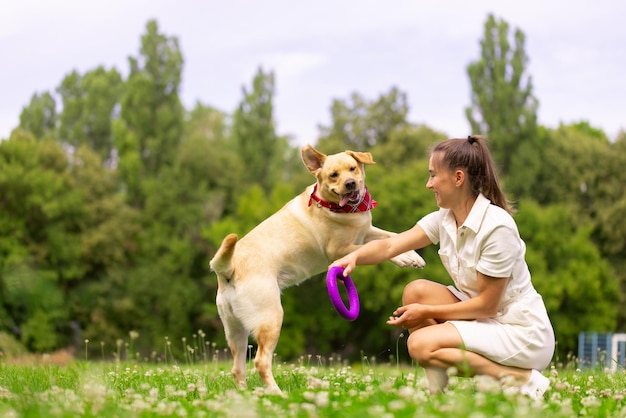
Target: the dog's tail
pixel 221 262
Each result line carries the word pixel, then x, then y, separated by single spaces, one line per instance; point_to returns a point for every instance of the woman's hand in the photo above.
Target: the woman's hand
pixel 409 316
pixel 347 263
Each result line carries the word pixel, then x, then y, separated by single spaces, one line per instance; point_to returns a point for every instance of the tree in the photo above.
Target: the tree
pixel 40 116
pixel 208 154
pixel 62 225
pixel 579 288
pixel 406 144
pixel 89 104
pixel 569 172
pixel 151 122
pixel 254 133
pixel 609 207
pixel 359 125
pixel 502 103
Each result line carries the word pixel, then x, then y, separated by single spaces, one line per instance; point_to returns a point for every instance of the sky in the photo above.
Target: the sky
pixel 324 50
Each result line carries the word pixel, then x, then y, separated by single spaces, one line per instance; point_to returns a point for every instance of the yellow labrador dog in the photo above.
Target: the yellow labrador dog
pixel 327 221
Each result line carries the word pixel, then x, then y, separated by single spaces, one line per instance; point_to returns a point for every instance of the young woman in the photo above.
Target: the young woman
pixel 492 321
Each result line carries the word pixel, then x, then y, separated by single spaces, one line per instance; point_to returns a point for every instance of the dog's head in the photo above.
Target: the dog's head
pixel 340 177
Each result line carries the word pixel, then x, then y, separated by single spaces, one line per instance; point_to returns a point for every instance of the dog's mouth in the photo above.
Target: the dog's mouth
pixel 351 198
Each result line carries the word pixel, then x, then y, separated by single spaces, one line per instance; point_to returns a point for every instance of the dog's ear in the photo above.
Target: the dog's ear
pixel 312 158
pixel 362 157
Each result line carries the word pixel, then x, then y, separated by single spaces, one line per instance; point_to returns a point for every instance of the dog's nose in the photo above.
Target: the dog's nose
pixel 350 184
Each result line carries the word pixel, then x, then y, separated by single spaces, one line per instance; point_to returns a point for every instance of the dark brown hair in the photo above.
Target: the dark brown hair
pixel 472 155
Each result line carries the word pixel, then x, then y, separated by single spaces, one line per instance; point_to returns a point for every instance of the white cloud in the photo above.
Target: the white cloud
pixel 324 50
pixel 293 65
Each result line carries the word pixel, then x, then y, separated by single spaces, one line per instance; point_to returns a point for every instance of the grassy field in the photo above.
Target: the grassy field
pixel 313 387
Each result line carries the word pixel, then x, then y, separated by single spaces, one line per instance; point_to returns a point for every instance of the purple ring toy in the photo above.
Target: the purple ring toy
pixel 334 274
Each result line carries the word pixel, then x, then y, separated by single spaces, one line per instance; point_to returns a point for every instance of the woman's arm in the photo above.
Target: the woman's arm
pixel 485 305
pixel 377 251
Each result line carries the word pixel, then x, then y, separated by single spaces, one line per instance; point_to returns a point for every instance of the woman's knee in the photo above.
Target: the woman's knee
pixel 427 292
pixel 417 291
pixel 419 351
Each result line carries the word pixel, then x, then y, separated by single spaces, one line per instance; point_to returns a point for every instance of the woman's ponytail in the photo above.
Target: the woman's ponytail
pixel 472 155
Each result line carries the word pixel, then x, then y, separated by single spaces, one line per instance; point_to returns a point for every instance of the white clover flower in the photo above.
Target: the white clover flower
pixel 313 382
pixel 487 384
pixel 452 371
pixel 308 407
pixel 590 401
pixel 376 410
pixel 396 405
pixel 322 399
pixel 406 392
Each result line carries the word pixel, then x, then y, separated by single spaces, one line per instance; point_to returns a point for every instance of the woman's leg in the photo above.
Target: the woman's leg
pixel 437 346
pixel 440 347
pixel 429 293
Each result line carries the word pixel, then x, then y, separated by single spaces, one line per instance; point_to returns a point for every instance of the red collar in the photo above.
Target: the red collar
pixel 366 203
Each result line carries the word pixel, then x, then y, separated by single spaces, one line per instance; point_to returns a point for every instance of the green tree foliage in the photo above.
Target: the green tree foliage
pixel 406 144
pixel 151 124
pixel 62 225
pixel 578 286
pixel 578 181
pixel 254 133
pixel 503 106
pixel 206 156
pixel 609 205
pixel 571 175
pixel 359 125
pixel 88 108
pixel 40 116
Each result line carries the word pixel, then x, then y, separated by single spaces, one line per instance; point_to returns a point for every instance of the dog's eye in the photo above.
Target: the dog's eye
pixel 353 168
pixel 334 175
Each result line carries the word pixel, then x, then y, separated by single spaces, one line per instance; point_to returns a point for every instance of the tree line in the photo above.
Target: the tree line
pixel 113 197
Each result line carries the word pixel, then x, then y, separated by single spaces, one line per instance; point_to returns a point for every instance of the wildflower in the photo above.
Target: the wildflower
pixel 322 399
pixel 313 382
pixel 590 401
pixel 376 410
pixel 406 392
pixel 396 405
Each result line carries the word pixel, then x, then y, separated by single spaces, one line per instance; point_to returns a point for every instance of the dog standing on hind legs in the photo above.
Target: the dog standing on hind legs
pixel 330 219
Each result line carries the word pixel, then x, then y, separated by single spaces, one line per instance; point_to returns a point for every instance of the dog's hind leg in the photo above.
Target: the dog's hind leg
pixel 237 337
pixel 236 333
pixel 267 336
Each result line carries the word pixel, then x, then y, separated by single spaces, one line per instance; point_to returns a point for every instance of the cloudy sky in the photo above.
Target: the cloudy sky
pixel 326 49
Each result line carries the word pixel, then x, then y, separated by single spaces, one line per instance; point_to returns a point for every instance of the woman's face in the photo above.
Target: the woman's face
pixel 441 181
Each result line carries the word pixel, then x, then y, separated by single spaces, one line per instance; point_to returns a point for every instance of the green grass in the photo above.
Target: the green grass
pixel 312 388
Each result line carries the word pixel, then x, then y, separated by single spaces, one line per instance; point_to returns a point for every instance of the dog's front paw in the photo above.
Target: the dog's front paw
pixel 409 259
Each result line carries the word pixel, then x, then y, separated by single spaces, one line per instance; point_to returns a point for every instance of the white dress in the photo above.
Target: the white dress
pixel 521 334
